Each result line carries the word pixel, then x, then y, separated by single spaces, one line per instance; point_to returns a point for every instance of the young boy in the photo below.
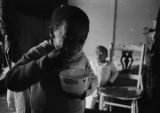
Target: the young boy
pixel 39 68
pixel 104 70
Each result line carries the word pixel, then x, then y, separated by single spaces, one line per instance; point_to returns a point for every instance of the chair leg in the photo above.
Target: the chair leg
pixel 110 106
pixel 133 106
pixel 101 102
pixel 107 107
pixel 136 106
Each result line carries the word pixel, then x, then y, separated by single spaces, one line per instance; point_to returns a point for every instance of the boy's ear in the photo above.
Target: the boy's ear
pixel 51 32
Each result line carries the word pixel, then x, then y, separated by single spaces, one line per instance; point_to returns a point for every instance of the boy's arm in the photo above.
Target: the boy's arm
pixel 107 82
pixel 28 69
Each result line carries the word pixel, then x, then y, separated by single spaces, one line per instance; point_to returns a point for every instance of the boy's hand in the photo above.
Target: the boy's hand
pixel 53 54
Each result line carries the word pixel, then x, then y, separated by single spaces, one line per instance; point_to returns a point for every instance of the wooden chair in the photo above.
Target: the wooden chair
pixel 131 94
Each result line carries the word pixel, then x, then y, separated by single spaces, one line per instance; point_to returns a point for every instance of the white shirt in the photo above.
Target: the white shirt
pixel 105 72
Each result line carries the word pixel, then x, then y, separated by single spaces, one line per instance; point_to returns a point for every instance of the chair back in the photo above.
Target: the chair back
pixel 129 59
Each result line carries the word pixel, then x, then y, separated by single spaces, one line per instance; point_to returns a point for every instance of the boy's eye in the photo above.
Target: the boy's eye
pixel 100 53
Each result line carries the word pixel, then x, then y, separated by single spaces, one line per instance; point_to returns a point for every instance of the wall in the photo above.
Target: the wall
pixel 132 17
pixel 100 13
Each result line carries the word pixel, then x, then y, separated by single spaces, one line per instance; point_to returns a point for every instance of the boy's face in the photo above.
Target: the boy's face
pixel 101 56
pixel 59 35
pixel 64 37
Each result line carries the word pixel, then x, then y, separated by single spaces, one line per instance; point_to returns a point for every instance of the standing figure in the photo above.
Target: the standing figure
pixel 39 68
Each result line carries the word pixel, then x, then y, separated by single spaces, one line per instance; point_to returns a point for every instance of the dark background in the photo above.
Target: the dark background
pixel 27 23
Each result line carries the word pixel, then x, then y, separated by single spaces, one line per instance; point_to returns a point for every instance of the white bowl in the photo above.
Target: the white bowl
pixel 75 80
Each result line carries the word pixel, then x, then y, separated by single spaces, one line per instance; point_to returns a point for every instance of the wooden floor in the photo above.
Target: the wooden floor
pixel 4 108
pixel 144 107
pixel 143 103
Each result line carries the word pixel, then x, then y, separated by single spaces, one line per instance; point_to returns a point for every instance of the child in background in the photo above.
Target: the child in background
pixel 104 70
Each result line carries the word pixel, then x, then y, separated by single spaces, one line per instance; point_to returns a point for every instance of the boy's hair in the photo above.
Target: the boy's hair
pixel 102 49
pixel 77 20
